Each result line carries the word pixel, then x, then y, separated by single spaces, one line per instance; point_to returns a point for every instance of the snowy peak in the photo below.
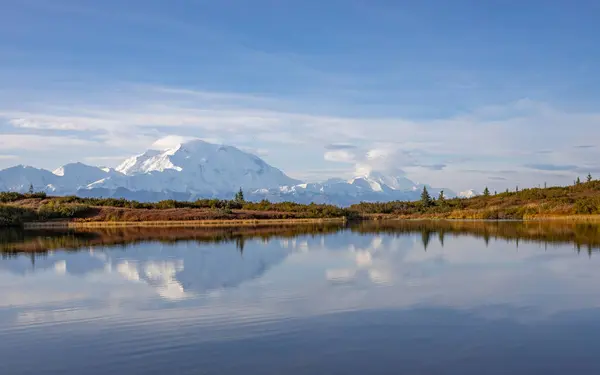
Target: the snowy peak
pixel 20 177
pixel 198 167
pixel 468 194
pixel 393 181
pixel 74 176
pixel 366 184
pixel 138 164
pixel 380 181
pixel 82 170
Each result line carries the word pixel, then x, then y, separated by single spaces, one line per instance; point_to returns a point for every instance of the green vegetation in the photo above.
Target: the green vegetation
pixel 7 197
pixel 426 198
pixel 239 197
pixel 441 198
pixel 17 208
pixel 13 216
pixel 578 199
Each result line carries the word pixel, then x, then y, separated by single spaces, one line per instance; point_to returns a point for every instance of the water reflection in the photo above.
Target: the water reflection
pixel 378 297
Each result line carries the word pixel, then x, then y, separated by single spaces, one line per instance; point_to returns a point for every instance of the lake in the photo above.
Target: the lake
pixel 372 298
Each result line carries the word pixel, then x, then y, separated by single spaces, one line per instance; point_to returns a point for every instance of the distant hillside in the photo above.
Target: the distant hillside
pixel 579 199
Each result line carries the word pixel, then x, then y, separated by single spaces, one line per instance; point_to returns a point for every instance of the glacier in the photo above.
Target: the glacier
pixel 198 169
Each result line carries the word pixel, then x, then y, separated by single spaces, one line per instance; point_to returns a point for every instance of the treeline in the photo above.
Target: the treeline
pixel 583 198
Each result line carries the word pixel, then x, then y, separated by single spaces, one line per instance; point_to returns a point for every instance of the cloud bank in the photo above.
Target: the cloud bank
pixel 441 151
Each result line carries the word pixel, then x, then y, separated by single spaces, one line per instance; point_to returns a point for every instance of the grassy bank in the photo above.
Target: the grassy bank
pixel 178 223
pixel 580 202
pixel 18 209
pixel 577 202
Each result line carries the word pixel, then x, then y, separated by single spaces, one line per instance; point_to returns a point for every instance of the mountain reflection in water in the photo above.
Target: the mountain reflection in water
pixel 374 297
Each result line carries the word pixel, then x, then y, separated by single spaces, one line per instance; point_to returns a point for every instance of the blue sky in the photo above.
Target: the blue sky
pixel 459 94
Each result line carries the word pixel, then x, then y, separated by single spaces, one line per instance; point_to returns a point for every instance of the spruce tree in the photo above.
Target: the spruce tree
pixel 486 192
pixel 425 197
pixel 589 177
pixel 441 197
pixel 30 188
pixel 239 196
pixel 578 181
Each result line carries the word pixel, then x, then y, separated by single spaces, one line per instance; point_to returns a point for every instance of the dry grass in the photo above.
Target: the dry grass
pixel 178 223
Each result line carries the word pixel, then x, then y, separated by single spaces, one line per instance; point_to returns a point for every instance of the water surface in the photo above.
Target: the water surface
pixel 377 298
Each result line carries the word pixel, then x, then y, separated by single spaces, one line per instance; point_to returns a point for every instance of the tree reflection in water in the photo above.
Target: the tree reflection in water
pixel 583 236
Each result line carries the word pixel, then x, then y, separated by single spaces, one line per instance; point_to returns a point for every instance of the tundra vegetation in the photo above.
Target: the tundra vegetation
pixel 580 200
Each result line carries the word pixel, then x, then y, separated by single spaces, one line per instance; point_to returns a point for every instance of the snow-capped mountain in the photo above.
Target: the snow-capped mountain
pixel 20 177
pixel 79 175
pixel 367 188
pixel 468 194
pixel 180 272
pixel 197 169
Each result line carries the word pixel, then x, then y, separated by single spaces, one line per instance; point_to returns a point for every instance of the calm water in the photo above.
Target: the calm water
pixel 403 298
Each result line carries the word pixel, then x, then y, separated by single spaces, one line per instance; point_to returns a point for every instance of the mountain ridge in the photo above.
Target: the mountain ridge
pixel 198 169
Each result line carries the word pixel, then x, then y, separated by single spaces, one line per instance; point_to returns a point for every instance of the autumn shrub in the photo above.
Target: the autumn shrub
pixel 13 216
pixel 57 210
pixel 10 196
pixel 587 205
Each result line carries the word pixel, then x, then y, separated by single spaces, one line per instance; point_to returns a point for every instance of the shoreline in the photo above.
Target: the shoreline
pixel 178 223
pixel 293 221
pixel 531 218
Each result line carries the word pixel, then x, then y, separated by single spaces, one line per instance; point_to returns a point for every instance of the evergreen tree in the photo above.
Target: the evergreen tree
pixel 30 188
pixel 507 191
pixel 425 197
pixel 486 192
pixel 441 197
pixel 239 196
pixel 589 177
pixel 425 237
pixel 578 181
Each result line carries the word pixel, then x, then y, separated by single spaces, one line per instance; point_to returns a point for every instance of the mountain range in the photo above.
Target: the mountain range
pixel 198 169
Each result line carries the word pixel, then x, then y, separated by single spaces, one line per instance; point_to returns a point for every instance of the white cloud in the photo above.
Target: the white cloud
pixel 386 159
pixel 169 141
pixel 341 156
pixel 493 138
pixel 39 142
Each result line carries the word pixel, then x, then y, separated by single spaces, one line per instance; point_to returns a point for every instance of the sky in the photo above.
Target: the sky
pixel 456 94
